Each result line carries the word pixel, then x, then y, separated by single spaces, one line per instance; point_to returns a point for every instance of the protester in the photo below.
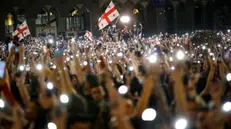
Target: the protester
pixel 165 81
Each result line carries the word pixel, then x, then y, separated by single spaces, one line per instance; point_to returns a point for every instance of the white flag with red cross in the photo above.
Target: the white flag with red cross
pixel 88 35
pixel 22 31
pixel 110 14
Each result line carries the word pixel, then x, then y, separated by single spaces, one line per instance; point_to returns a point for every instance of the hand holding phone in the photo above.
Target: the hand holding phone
pixel 2 69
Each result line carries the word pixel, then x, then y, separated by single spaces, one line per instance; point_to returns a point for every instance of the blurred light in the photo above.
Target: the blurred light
pixel 50 86
pixel 54 67
pixel 125 19
pixel 170 59
pixel 148 114
pixel 121 76
pixel 228 31
pixel 214 58
pixel 227 107
pixel 2 103
pixel 123 89
pixel 73 40
pixel 152 59
pixel 228 77
pixel 64 98
pixel 180 55
pixel 28 68
pixel 68 59
pixel 50 40
pixel 21 67
pixel 51 125
pixel 131 68
pixel 85 63
pixel 110 61
pixel 120 54
pixel 172 68
pixel 181 123
pixel 203 47
pixel 39 67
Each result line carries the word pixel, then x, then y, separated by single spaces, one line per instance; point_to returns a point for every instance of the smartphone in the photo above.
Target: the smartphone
pixel 2 69
pixel 58 111
pixel 92 65
pixel 219 59
pixel 59 53
pixel 10 45
pixel 16 49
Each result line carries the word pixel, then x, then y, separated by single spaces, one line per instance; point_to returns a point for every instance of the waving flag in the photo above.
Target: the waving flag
pixel 110 14
pixel 88 35
pixel 22 31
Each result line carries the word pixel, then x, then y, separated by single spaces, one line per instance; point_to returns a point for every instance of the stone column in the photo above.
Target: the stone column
pixel 2 26
pixel 94 15
pixel 205 13
pixel 32 26
pixel 145 4
pixel 61 27
pixel 175 5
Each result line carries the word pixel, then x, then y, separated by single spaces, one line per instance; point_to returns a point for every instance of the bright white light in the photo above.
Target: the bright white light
pixel 68 59
pixel 85 63
pixel 214 58
pixel 39 67
pixel 73 40
pixel 152 59
pixel 181 123
pixel 21 67
pixel 125 19
pixel 51 125
pixel 203 47
pixel 64 98
pixel 72 57
pixel 228 77
pixel 123 89
pixel 35 53
pixel 121 76
pixel 50 86
pixel 110 61
pixel 227 107
pixel 219 45
pixel 131 68
pixel 228 31
pixel 54 67
pixel 120 54
pixel 172 68
pixel 180 55
pixel 198 62
pixel 170 59
pixel 27 68
pixel 50 41
pixel 2 103
pixel 148 114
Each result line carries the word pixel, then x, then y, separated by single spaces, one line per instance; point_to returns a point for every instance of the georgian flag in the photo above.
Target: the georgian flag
pixel 88 35
pixel 110 14
pixel 22 31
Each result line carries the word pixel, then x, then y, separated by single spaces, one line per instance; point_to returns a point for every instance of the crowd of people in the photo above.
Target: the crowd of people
pixel 161 82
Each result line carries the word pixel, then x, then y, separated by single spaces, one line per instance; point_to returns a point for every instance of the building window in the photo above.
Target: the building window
pixel 76 21
pixel 21 17
pixel 46 23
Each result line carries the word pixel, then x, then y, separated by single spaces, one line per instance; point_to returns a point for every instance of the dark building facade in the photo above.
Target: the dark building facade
pixel 67 17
